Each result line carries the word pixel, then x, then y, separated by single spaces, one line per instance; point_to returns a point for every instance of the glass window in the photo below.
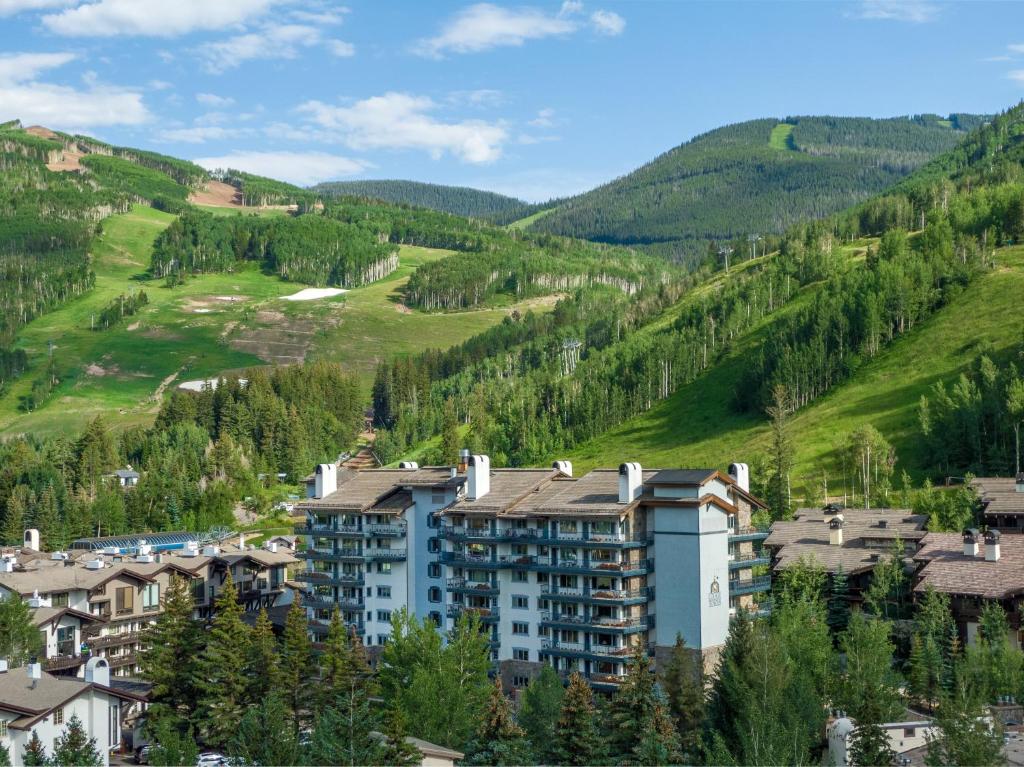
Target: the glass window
pixel 384 567
pixel 520 602
pixel 125 599
pixel 520 653
pixel 434 570
pixel 151 596
pixel 59 599
pixel 434 594
pixel 384 616
pixel 521 629
pixel 520 576
pixel 384 592
pixel 58 715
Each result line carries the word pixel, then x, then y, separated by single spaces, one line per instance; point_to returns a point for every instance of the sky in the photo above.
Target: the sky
pixel 531 99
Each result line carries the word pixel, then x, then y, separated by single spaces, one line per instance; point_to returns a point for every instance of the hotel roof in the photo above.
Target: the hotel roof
pixel 999 495
pixel 946 568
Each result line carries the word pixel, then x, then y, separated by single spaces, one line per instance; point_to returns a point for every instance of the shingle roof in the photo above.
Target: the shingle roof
pixel 807 535
pixel 363 489
pixel 947 569
pixel 682 476
pixel 999 495
pixel 508 487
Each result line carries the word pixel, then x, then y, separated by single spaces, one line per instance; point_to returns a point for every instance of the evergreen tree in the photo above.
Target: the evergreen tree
pixel 35 752
pixel 19 637
pixel 397 751
pixel 869 743
pixel 264 735
pixel 576 739
pixel 5 757
pixel 539 709
pixel 170 747
pixel 683 682
pixel 19 502
pixel 47 520
pixel 839 602
pixel 450 439
pixel 499 740
pixel 638 713
pixel 170 646
pixel 966 736
pixel 868 680
pixel 261 670
pixel 295 663
pixel 73 748
pixel 342 665
pixel 729 689
pixel 221 670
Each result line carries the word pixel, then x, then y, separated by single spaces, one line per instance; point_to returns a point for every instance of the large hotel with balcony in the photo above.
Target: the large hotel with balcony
pixel 571 572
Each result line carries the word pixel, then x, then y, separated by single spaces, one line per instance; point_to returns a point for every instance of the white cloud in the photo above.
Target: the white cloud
pixel 481 97
pixel 11 7
pixel 159 85
pixel 1017 75
pixel 302 168
pixel 544 118
pixel 198 134
pixel 483 26
pixel 540 184
pixel 153 18
pixel 913 11
pixel 1016 47
pixel 273 42
pixel 213 100
pixel 331 16
pixel 22 67
pixel 608 23
pixel 341 49
pixel 401 121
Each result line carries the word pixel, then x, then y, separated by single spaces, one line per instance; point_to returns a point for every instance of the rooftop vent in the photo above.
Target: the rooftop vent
pixel 211 551
pixel 463 460
pixel 832 508
pixel 94 564
pixel 145 559
pixel 971 536
pixel 191 549
pixel 563 466
pixel 992 545
pixel 1020 482
pixel 35 672
pixel 883 523
pixel 111 550
pixel 6 565
pixel 58 555
pixel 412 465
pixel 271 546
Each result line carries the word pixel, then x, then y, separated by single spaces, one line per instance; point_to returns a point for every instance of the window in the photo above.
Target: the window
pixel 434 570
pixel 58 715
pixel 151 597
pixel 60 599
pixel 382 638
pixel 520 576
pixel 384 616
pixel 384 567
pixel 436 617
pixel 3 728
pixel 521 629
pixel 520 602
pixel 125 600
pixel 437 499
pixel 433 545
pixel 520 681
pixel 520 653
pixel 909 732
pixel 384 592
pixel 434 594
pixel 542 577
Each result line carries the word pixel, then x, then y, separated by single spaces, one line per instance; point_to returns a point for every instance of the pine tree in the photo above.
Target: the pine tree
pixel 683 682
pixel 839 602
pixel 5 757
pixel 261 660
pixel 499 740
pixel 396 750
pixel 967 736
pixel 171 645
pixel 35 752
pixel 576 739
pixel 73 748
pixel 636 711
pixel 296 662
pixel 19 502
pixel 729 693
pixel 221 670
pixel 539 710
pixel 47 520
pixel 449 434
pixel 170 747
pixel 339 669
pixel 264 735
pixel 869 743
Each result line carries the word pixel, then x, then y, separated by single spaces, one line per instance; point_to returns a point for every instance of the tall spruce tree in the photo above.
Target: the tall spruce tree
pixel 265 736
pixel 171 645
pixel 839 602
pixel 577 737
pixel 539 708
pixel 296 662
pixel 683 682
pixel 35 752
pixel 343 664
pixel 869 743
pixel 499 740
pixel 221 670
pixel 638 713
pixel 261 661
pixel 74 747
pixel 967 735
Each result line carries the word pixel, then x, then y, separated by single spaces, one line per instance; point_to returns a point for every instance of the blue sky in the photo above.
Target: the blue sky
pixel 529 99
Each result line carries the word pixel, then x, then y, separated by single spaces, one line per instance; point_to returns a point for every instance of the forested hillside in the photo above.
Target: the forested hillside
pixel 754 178
pixel 460 200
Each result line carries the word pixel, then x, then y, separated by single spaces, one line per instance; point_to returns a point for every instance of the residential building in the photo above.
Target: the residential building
pixel 854 540
pixel 561 570
pixel 904 737
pixel 33 701
pixel 975 569
pixel 1002 502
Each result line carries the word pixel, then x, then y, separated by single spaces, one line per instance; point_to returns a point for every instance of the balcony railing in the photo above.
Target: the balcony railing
pixel 385 530
pixel 633 596
pixel 62 662
pixel 750 585
pixel 595 567
pixel 538 536
pixel 330 579
pixel 488 562
pixel 749 559
pixel 322 627
pixel 621 654
pixel 463 586
pixel 326 601
pixel 629 624
pixel 747 533
pixel 113 640
pixel 384 555
pixel 486 614
pixel 330 531
pixel 339 555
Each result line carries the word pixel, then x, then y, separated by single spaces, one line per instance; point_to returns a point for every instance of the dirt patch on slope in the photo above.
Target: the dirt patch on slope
pixel 68 160
pixel 217 193
pixel 279 339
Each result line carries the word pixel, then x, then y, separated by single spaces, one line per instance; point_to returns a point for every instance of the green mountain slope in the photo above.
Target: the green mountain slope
pixel 459 200
pixel 755 177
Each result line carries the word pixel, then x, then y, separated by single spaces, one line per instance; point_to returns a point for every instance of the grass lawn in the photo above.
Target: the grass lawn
pixel 697 426
pixel 782 137
pixel 522 223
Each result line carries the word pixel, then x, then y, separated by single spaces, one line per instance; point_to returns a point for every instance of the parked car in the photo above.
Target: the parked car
pixel 142 755
pixel 210 759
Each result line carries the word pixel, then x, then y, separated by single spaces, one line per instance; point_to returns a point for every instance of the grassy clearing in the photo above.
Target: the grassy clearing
pixel 782 138
pixel 698 427
pixel 523 223
pixel 221 210
pixel 194 332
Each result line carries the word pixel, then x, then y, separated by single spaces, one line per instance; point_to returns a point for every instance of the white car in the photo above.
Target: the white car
pixel 210 759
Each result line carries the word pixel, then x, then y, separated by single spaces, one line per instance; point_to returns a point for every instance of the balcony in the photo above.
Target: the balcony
pixel 749 585
pixel 601 624
pixel 597 596
pixel 749 559
pixel 384 555
pixel 122 660
pixel 330 531
pixel 64 662
pixel 462 586
pixel 113 640
pixel 486 562
pixel 741 534
pixel 395 530
pixel 337 555
pixel 585 567
pixel 329 579
pixel 326 601
pixel 539 536
pixel 620 654
pixel 322 627
pixel 486 614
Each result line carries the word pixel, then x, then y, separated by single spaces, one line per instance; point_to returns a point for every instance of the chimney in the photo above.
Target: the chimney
pixel 36 601
pixel 191 549
pixel 144 548
pixel 741 473
pixel 992 545
pixel 971 542
pixel 32 539
pixel 631 480
pixel 94 564
pixel 35 672
pixel 326 480
pixel 411 465
pixel 59 556
pixel 241 541
pixel 97 671
pixel 478 477
pixel 463 461
pixel 1020 482
pixel 563 466
pixel 835 530
pixel 271 546
pixel 831 509
pixel 142 559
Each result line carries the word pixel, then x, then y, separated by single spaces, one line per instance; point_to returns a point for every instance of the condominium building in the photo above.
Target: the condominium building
pixel 574 573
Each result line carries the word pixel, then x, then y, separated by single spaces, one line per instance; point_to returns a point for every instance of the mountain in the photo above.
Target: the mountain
pixel 756 177
pixel 459 200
